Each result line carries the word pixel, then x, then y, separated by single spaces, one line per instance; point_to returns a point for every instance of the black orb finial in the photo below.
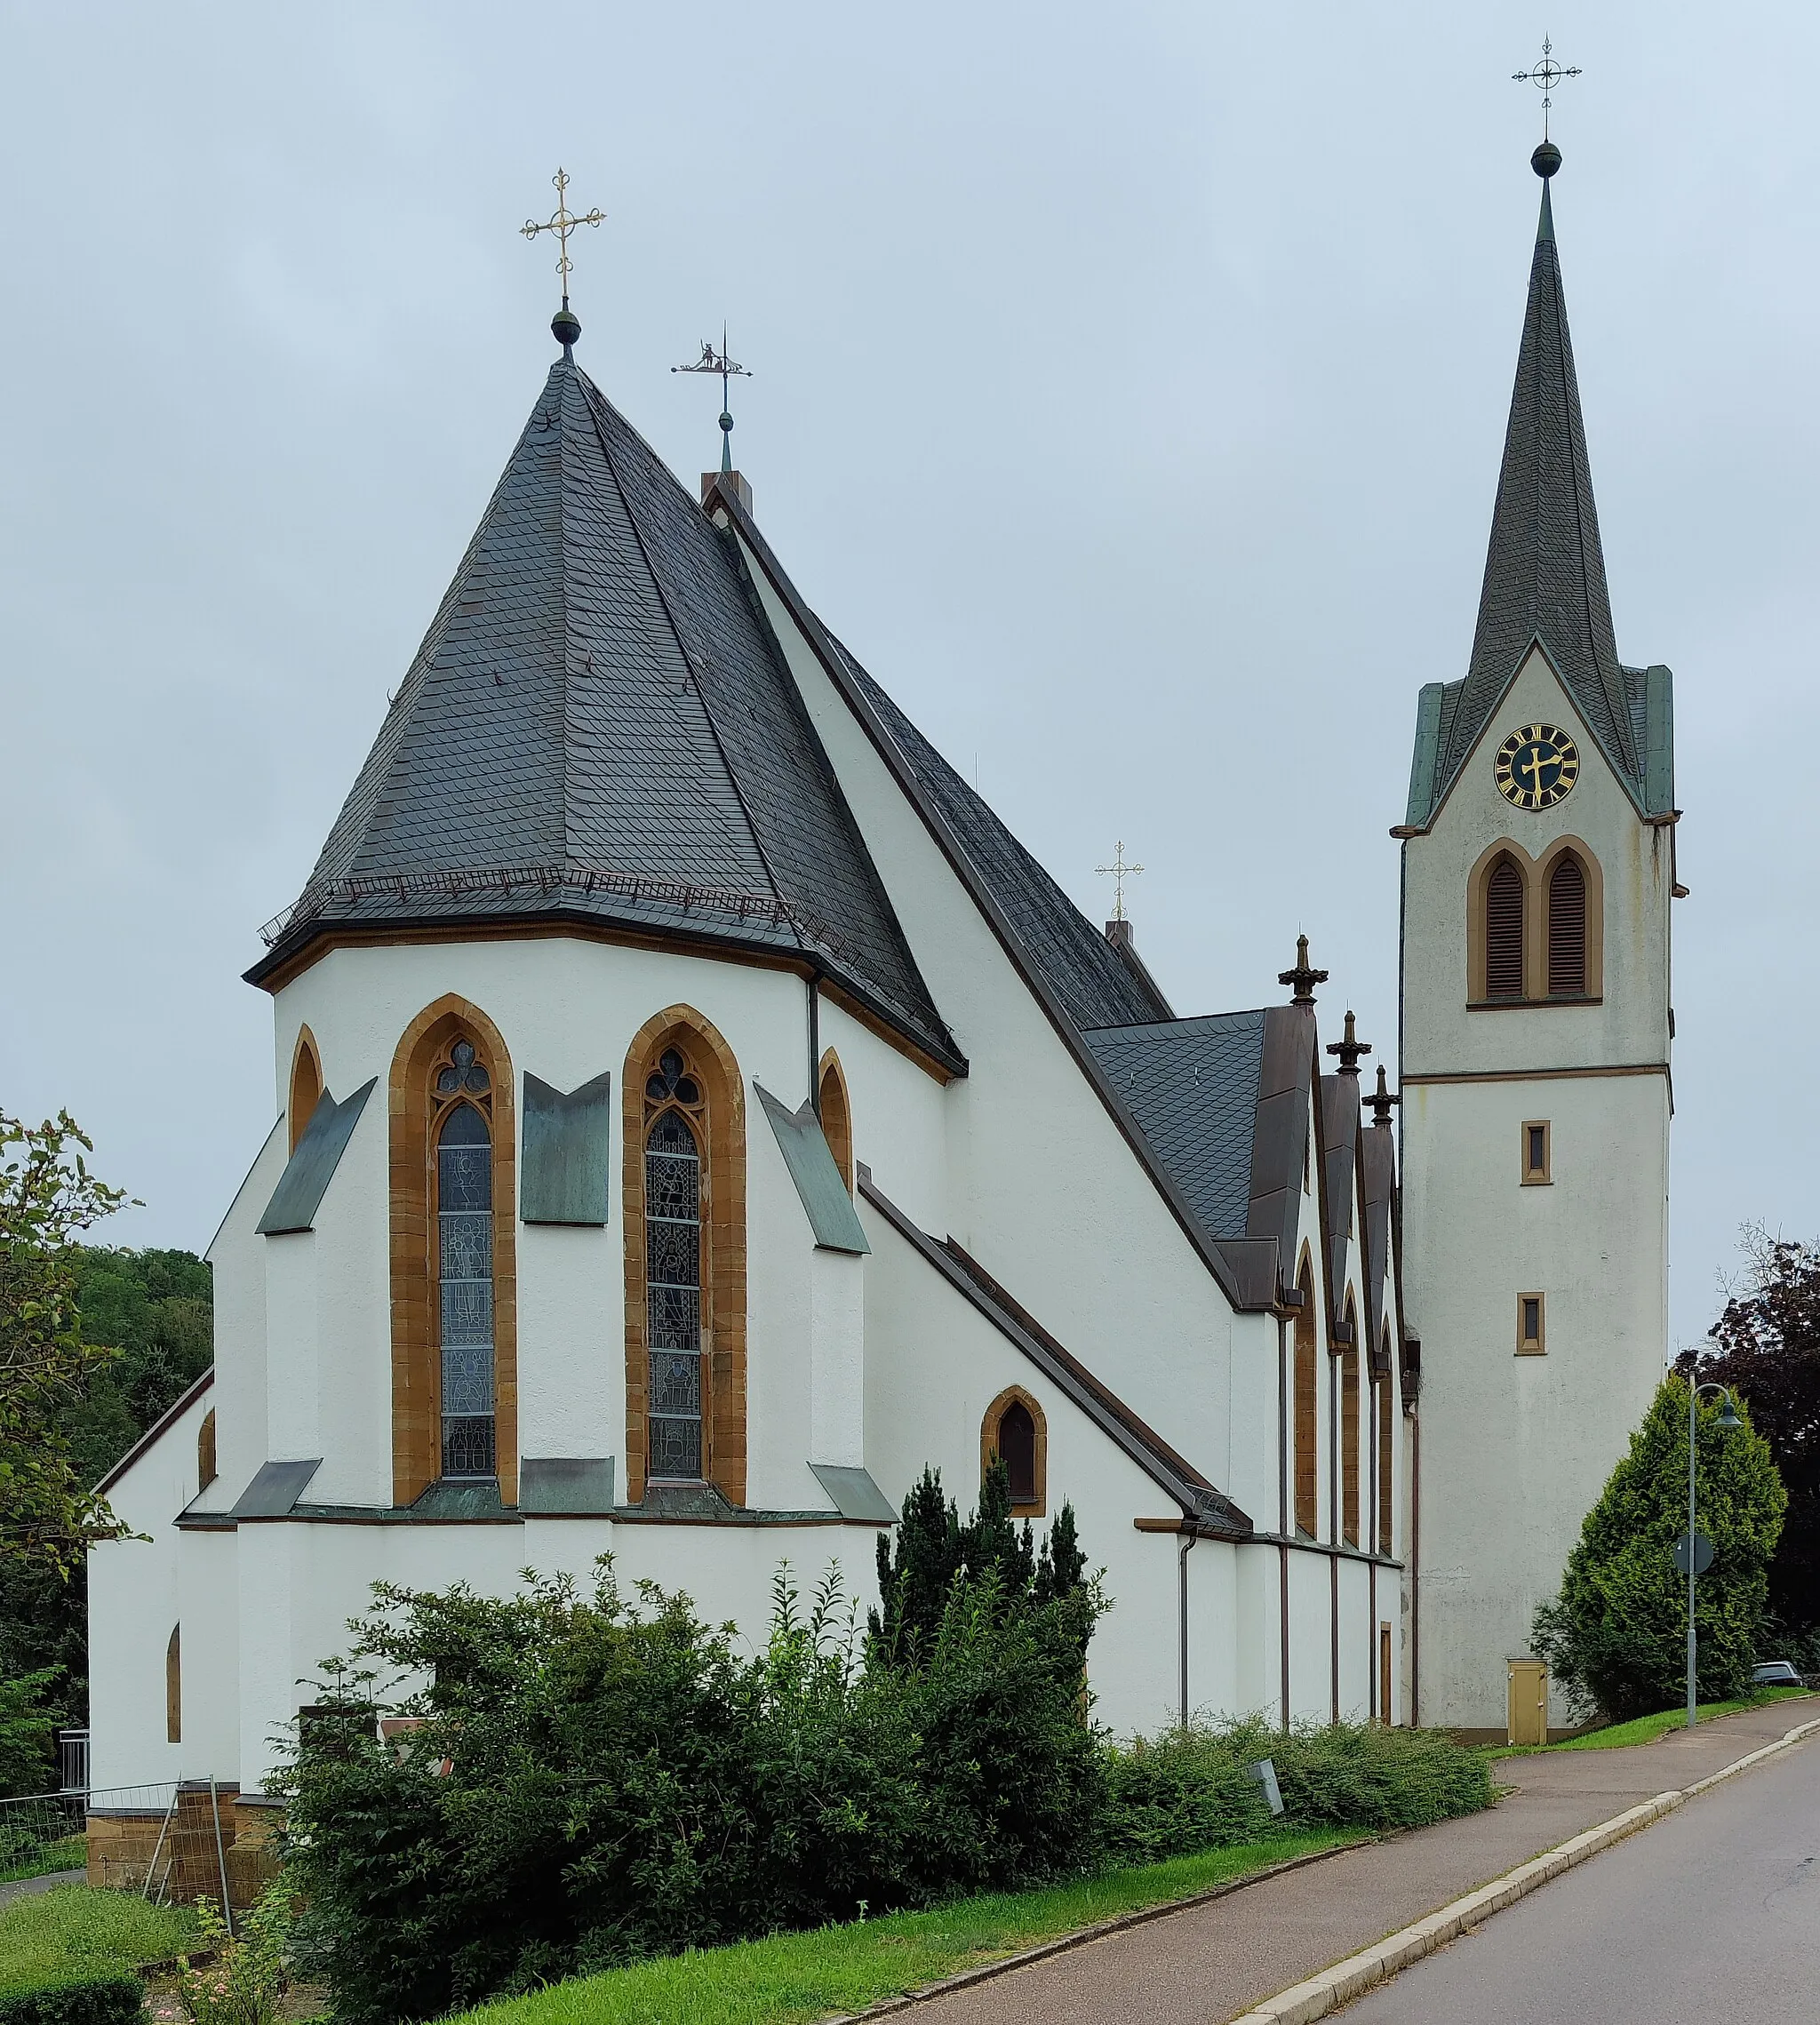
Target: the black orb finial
pixel 1546 160
pixel 565 325
pixel 726 423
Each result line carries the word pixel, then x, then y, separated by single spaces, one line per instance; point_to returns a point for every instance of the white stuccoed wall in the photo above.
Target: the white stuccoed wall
pixel 1515 1450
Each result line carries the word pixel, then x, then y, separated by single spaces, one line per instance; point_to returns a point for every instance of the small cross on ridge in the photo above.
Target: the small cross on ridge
pixel 1545 75
pixel 1118 872
pixel 562 221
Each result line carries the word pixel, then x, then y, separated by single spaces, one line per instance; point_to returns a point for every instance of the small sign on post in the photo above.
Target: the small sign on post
pixel 1693 1554
pixel 1265 1772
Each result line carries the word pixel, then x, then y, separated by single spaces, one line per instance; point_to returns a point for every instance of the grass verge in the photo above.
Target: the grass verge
pixel 69 1853
pixel 790 1979
pixel 75 1931
pixel 1646 1729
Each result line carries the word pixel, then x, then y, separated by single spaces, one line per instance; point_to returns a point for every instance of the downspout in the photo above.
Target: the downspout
pixel 1189 1536
pixel 814 981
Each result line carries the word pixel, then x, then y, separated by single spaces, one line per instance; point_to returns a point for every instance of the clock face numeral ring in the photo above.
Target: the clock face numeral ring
pixel 1537 767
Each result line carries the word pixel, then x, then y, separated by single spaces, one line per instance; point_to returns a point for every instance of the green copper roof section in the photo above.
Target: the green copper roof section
pixel 1427 748
pixel 825 1201
pixel 312 1165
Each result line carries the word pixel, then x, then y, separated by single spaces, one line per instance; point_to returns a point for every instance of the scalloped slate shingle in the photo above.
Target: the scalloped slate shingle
pixel 1191 1085
pixel 598 725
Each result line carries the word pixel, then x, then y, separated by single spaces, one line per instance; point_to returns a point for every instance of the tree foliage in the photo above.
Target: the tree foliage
pixel 153 1308
pixel 934 1546
pixel 48 1515
pixel 1766 1346
pixel 1616 1636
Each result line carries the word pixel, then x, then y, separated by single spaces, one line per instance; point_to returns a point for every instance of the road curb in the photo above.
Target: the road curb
pixel 1351 1978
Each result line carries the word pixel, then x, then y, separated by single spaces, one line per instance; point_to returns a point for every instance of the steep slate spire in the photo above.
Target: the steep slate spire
pixel 599 727
pixel 1544 570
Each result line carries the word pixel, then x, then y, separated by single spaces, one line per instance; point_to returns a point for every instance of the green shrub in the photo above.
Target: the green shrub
pixel 27 1734
pixel 244 1980
pixel 623 1783
pixel 1616 1636
pixel 1191 1789
pixel 111 1999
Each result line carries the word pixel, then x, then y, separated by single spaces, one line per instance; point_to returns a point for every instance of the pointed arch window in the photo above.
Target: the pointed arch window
pixel 685 1140
pixel 1350 1430
pixel 1015 1429
pixel 306 1085
pixel 1307 1411
pixel 1566 928
pixel 674 1266
pixel 836 1112
pixel 174 1686
pixel 464 1190
pixel 205 1470
pixel 1503 930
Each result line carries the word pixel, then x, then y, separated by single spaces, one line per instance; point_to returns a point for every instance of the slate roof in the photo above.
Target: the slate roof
pixel 1377 1145
pixel 1095 984
pixel 599 727
pixel 1340 1171
pixel 1544 580
pixel 1191 1085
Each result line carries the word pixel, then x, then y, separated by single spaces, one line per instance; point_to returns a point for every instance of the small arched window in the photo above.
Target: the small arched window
pixel 1504 931
pixel 1014 1431
pixel 174 1686
pixel 674 1266
pixel 306 1085
pixel 1566 928
pixel 1350 1430
pixel 464 1197
pixel 1307 1410
pixel 836 1115
pixel 205 1470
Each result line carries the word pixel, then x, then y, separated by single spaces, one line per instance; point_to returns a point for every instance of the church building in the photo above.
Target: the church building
pixel 695 1113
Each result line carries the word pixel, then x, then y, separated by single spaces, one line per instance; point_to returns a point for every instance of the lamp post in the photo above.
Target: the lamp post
pixel 1727 1420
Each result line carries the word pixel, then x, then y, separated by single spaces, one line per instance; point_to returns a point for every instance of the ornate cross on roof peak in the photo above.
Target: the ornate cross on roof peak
pixel 1349 1047
pixel 1545 75
pixel 1301 977
pixel 562 221
pixel 1118 872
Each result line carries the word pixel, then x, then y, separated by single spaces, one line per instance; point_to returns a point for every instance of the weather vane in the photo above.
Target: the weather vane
pixel 1118 872
pixel 562 221
pixel 1545 75
pixel 711 361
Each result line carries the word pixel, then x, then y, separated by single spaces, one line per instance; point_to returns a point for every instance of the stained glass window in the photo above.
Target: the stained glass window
pixel 673 1275
pixel 464 1272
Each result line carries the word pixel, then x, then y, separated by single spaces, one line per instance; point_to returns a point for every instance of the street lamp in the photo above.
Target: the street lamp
pixel 1727 1420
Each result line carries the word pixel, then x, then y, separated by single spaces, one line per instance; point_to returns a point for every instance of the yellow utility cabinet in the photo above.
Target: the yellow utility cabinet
pixel 1528 1702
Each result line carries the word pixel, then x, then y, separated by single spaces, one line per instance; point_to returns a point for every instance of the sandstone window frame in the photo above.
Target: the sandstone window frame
pixel 1034 1504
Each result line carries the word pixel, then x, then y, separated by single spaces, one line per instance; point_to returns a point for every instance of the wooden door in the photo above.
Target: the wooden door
pixel 1528 1702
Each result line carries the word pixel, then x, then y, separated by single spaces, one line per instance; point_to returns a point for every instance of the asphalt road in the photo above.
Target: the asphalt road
pixel 1711 1914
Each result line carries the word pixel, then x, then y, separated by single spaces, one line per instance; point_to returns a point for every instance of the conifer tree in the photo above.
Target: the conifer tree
pixel 1616 1636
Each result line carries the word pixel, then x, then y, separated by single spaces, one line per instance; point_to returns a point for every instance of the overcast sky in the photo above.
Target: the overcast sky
pixel 1130 382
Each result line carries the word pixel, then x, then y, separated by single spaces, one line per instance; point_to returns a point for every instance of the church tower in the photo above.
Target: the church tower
pixel 1539 865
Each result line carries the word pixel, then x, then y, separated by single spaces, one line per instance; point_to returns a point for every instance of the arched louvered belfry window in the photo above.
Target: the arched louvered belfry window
pixel 1566 928
pixel 1504 931
pixel 462 1127
pixel 674 1267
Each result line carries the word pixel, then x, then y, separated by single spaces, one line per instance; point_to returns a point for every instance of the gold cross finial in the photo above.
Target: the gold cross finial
pixel 1545 75
pixel 562 221
pixel 1118 872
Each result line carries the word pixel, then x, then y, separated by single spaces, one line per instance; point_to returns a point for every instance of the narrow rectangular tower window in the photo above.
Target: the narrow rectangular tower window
pixel 1529 1325
pixel 1535 1152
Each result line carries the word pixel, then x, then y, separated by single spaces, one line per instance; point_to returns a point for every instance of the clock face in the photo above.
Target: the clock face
pixel 1538 766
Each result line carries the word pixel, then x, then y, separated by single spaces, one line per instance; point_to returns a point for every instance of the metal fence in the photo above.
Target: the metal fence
pixel 173 1843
